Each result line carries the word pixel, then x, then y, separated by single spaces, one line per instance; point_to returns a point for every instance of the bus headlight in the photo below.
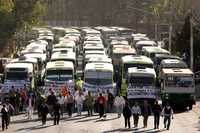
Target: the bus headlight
pixel 167 96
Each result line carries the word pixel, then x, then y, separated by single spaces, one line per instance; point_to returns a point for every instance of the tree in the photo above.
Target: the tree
pixel 18 15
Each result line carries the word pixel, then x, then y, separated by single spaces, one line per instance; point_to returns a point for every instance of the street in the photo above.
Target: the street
pixel 186 122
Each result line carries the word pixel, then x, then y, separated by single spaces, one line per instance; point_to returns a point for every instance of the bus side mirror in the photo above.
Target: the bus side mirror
pixel 2 76
pixel 75 76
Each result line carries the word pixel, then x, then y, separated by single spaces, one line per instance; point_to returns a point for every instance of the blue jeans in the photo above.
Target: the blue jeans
pixel 167 121
pixel 79 108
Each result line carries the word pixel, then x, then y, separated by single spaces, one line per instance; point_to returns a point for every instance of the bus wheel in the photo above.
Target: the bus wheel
pixel 190 107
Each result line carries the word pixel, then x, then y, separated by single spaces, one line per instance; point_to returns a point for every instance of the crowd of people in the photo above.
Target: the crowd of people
pixel 79 101
pixel 145 110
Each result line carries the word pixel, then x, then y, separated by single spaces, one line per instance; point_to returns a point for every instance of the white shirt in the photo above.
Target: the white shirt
pixel 79 99
pixel 29 102
pixel 119 100
pixel 61 100
pixel 136 110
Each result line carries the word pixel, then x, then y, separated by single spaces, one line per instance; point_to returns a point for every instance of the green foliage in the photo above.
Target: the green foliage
pixel 6 6
pixel 18 15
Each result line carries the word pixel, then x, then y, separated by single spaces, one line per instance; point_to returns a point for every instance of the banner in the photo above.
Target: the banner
pixel 141 92
pixel 56 86
pixel 98 88
pixel 18 84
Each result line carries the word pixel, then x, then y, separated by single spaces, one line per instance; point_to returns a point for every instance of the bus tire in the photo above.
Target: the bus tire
pixel 190 107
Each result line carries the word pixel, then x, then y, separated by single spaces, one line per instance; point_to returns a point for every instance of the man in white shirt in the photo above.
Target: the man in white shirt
pixel 61 101
pixel 79 102
pixel 136 111
pixel 119 104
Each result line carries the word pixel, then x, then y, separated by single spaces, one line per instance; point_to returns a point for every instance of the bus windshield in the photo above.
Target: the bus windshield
pixel 97 81
pixel 179 81
pixel 99 78
pixel 141 81
pixel 59 75
pixel 16 75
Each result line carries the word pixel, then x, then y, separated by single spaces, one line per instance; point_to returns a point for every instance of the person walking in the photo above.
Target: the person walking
pixel 44 111
pixel 79 102
pixel 119 103
pixel 136 111
pixel 57 111
pixel 11 111
pixel 146 111
pixel 30 103
pixel 89 101
pixel 61 101
pixel 156 111
pixel 70 103
pixel 51 101
pixel 101 103
pixel 110 102
pixel 4 117
pixel 167 112
pixel 127 114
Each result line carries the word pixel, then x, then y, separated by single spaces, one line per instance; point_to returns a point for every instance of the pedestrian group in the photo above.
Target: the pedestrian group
pixel 79 101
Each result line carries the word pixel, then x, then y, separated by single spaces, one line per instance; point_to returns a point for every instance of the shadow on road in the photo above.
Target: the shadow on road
pixel 75 118
pixel 33 128
pixel 24 121
pixel 91 119
pixel 134 130
pixel 105 119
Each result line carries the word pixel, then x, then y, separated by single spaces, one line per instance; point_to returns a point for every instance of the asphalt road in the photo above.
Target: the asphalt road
pixel 185 122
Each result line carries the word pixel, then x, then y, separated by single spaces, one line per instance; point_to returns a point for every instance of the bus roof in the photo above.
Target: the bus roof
pixel 36 55
pixel 141 71
pixel 88 56
pixel 107 29
pixel 62 49
pixel 136 59
pixel 173 63
pixel 94 51
pixel 121 50
pixel 165 56
pixel 44 37
pixel 60 65
pixel 177 71
pixel 100 60
pixel 146 42
pixel 60 55
pixel 155 50
pixel 115 42
pixel 169 61
pixel 27 66
pixel 63 44
pixel 24 60
pixel 99 67
pixel 70 30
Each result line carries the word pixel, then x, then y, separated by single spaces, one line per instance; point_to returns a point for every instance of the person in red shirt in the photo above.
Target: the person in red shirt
pixel 101 102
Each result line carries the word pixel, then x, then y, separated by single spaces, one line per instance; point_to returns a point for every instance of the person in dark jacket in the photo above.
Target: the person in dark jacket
pixel 156 111
pixel 51 101
pixel 56 111
pixel 127 114
pixel 11 111
pixel 146 111
pixel 44 111
pixel 110 102
pixel 167 112
pixel 4 113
